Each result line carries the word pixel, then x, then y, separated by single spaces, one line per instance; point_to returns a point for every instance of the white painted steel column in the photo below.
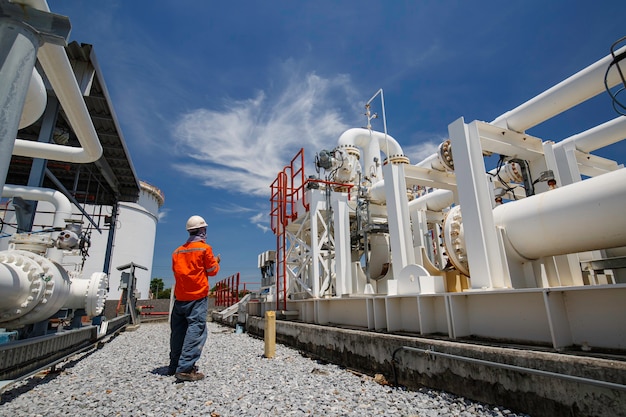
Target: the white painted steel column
pixel 483 249
pixel 317 202
pixel 343 258
pixel 567 171
pixel 18 51
pixel 400 235
pixel 584 216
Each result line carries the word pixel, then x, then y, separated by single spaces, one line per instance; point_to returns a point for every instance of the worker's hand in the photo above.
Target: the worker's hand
pixel 218 258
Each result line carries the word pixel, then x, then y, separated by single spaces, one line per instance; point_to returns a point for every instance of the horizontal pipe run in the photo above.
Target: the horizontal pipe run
pixel 515 368
pixel 570 92
pixel 598 137
pixel 558 222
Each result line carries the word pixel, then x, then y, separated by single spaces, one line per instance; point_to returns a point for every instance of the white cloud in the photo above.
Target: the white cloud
pixel 421 150
pixel 243 146
pixel 162 215
pixel 261 220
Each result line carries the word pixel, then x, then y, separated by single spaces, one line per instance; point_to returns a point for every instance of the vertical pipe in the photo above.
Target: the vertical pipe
pixel 109 249
pixel 18 51
pixel 237 289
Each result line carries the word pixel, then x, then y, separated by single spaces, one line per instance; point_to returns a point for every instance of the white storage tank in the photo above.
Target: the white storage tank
pixel 134 239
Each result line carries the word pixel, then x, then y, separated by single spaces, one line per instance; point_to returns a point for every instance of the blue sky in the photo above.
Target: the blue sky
pixel 214 98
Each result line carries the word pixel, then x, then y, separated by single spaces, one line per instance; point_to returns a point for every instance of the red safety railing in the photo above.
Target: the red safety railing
pixel 287 190
pixel 227 291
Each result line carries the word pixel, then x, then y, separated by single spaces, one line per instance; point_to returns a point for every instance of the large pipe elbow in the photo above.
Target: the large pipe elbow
pixel 62 205
pixel 59 72
pixel 372 143
pixel 363 137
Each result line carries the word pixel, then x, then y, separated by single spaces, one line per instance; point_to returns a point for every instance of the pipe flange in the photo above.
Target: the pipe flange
pixel 398 159
pixel 96 293
pixel 54 290
pixel 30 277
pixel 444 153
pixel 512 172
pixel 454 240
pixel 350 150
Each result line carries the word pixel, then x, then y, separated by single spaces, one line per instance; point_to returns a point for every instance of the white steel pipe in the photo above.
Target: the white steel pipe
pixel 62 205
pixel 583 216
pixel 432 162
pixel 372 143
pixel 561 97
pixel 59 72
pixel 433 201
pixel 570 92
pixel 598 137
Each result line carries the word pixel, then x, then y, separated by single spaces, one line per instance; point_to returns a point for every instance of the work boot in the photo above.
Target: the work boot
pixel 192 375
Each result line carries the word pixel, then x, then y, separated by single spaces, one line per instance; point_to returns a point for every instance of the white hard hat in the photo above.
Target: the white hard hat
pixel 195 222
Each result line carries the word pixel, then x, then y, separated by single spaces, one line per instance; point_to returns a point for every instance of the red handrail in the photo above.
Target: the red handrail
pixel 227 291
pixel 286 191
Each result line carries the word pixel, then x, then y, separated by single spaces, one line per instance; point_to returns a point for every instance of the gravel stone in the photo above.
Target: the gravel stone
pixel 127 377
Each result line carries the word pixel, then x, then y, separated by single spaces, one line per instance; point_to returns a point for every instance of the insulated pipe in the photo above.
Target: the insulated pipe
pixel 58 70
pixel 432 162
pixel 372 143
pixel 62 205
pixel 583 216
pixel 433 201
pixel 598 137
pixel 568 93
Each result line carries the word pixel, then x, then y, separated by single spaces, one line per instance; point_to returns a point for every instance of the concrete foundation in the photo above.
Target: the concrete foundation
pixel 538 382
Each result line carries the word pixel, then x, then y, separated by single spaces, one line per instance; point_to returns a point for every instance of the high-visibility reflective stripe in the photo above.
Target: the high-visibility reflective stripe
pixel 189 250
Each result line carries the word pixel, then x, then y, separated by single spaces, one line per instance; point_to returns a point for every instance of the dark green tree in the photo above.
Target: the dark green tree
pixel 156 286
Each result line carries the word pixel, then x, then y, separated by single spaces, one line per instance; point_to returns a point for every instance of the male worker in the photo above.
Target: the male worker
pixel 192 264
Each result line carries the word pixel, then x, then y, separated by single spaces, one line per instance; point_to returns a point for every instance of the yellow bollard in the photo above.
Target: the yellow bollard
pixel 270 334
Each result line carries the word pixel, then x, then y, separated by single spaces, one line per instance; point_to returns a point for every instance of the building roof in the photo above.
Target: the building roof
pixel 109 180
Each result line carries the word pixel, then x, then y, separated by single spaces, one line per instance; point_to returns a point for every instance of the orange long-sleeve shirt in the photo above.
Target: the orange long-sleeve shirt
pixel 192 264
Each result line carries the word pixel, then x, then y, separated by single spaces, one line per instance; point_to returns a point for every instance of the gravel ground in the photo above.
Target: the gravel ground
pixel 127 377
